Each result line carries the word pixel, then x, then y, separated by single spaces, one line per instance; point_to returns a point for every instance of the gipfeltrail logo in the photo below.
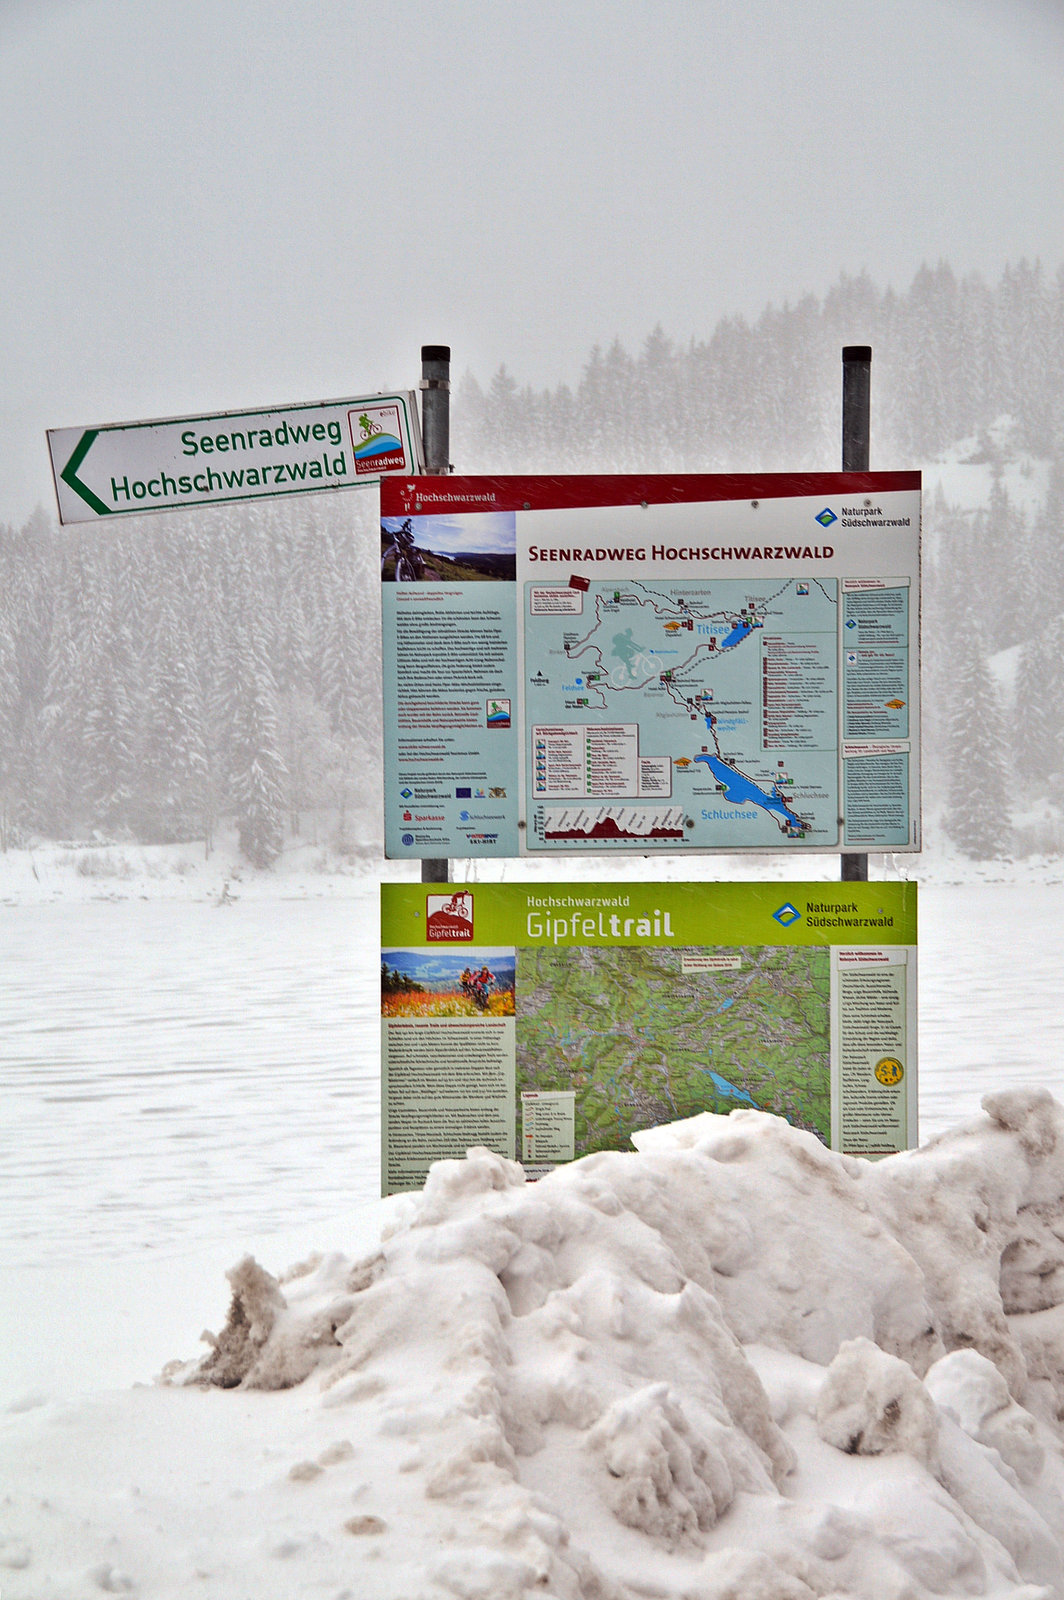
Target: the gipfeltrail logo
pixel 449 917
pixel 827 517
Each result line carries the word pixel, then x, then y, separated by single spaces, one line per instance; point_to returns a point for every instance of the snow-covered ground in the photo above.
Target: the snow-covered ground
pixel 732 1366
pixel 712 1371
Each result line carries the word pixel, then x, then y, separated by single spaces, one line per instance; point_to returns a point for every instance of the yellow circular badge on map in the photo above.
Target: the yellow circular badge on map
pixel 889 1071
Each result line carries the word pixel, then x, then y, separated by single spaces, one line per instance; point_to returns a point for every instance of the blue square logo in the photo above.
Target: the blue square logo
pixel 827 517
pixel 787 914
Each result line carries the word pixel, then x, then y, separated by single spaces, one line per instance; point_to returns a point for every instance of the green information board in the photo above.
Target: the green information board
pixel 547 1021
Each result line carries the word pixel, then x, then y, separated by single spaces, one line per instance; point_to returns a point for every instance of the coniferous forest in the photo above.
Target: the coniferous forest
pixel 187 672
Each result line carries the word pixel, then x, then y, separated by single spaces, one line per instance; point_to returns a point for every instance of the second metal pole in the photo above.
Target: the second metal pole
pixel 856 410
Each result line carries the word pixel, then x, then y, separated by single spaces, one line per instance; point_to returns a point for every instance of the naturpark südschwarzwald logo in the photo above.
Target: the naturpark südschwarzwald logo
pixel 449 917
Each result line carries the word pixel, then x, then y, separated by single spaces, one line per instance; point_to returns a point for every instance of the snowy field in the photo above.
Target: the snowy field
pixel 543 1394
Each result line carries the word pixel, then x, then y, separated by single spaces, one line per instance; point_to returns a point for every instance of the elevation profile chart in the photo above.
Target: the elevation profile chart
pixel 623 825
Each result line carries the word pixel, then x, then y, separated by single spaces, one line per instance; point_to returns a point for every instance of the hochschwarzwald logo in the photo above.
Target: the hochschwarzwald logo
pixel 787 914
pixel 827 517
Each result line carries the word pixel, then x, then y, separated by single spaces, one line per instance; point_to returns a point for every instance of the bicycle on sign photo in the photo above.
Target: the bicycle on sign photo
pixel 409 566
pixel 478 986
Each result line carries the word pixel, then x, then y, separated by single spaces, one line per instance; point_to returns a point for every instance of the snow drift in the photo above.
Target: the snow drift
pixel 732 1366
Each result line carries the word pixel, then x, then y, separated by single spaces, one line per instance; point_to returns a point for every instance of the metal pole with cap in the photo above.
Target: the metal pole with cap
pixel 856 410
pixel 436 436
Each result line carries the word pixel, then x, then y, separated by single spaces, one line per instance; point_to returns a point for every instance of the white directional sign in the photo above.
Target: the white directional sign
pixel 179 462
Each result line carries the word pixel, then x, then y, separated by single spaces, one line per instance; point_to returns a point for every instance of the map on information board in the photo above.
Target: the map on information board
pixel 645 1035
pixel 723 700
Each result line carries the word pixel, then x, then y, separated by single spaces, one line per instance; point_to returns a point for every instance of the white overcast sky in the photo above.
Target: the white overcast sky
pixel 224 203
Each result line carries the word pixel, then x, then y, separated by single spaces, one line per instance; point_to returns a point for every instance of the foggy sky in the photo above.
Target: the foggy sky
pixel 225 203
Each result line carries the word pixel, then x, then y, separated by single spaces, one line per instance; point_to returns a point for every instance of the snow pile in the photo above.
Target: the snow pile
pixel 733 1366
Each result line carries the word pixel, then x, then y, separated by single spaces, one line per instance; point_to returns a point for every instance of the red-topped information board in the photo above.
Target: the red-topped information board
pixel 651 664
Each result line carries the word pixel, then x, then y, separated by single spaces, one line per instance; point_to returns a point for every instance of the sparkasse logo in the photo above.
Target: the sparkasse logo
pixel 449 918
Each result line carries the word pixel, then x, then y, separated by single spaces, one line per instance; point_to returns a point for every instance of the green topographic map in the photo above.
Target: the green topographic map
pixel 642 1041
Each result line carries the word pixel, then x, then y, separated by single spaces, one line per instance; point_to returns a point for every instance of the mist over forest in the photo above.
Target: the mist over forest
pixel 185 673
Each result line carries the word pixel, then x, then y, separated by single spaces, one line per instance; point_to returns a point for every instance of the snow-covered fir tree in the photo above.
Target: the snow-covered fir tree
pixel 256 769
pixel 977 816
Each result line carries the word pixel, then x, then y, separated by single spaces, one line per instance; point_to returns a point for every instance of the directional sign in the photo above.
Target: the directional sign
pixel 179 462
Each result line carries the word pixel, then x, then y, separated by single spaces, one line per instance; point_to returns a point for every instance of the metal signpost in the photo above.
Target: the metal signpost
pixel 436 420
pixel 181 462
pixel 856 411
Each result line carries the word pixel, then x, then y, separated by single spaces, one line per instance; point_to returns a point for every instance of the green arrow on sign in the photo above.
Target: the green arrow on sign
pixel 70 477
